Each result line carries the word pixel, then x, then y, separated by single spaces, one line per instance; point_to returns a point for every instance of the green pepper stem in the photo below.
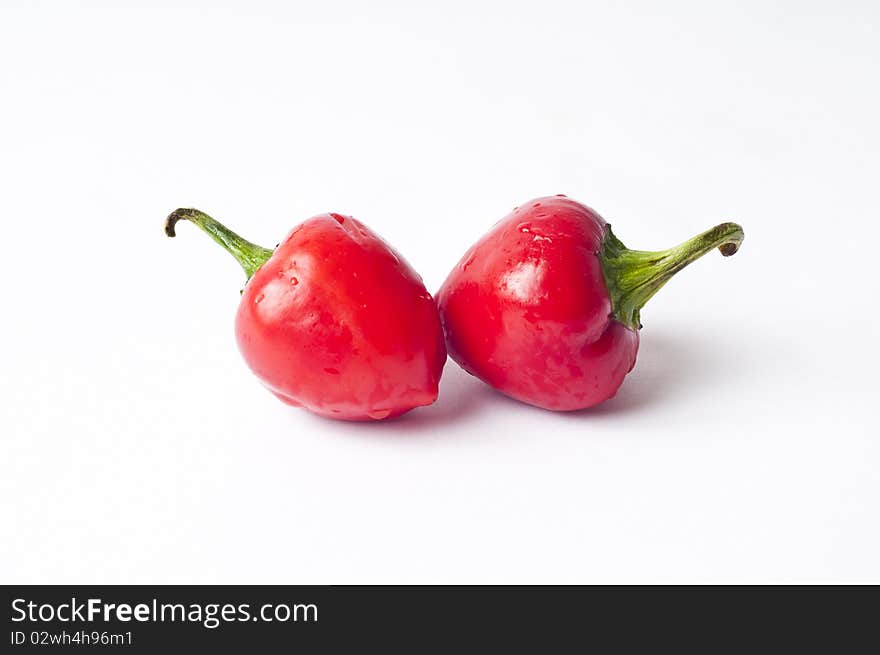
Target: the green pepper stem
pixel 249 255
pixel 634 276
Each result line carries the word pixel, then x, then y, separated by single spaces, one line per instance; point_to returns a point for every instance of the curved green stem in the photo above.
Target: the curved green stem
pixel 634 276
pixel 249 255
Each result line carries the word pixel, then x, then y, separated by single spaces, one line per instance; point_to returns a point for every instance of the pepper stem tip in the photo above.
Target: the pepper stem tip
pixel 180 214
pixel 634 276
pixel 249 255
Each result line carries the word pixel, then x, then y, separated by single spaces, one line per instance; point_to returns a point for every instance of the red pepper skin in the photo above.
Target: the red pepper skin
pixel 527 310
pixel 335 321
pixel 545 307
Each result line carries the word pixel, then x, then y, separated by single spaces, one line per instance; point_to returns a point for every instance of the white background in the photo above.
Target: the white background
pixel 137 447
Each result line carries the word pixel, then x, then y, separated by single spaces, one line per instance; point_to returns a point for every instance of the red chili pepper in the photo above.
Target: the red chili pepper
pixel 334 320
pixel 545 307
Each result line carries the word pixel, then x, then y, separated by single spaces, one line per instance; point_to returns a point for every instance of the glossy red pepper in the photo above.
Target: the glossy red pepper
pixel 545 307
pixel 334 320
